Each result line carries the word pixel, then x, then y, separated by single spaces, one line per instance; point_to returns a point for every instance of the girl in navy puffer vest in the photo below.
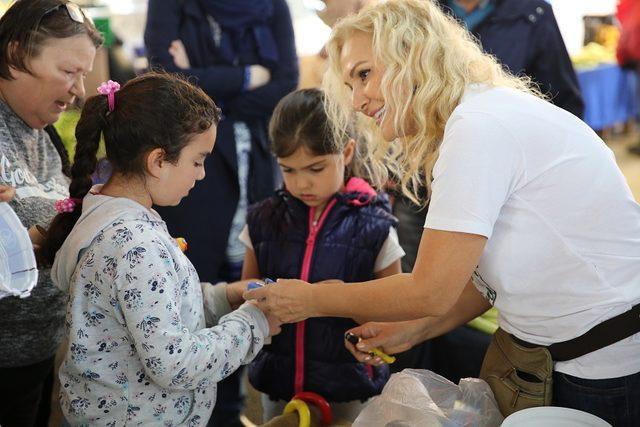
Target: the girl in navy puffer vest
pixel 326 225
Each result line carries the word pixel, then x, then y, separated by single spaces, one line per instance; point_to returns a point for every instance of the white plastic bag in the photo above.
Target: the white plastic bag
pixel 416 397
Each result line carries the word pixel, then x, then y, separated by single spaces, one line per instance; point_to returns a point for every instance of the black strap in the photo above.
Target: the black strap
pixel 604 334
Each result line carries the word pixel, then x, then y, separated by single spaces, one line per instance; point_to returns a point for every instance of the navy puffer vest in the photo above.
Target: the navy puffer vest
pixel 343 244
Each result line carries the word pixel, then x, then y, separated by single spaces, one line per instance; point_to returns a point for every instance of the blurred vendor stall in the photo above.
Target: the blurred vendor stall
pixel 610 93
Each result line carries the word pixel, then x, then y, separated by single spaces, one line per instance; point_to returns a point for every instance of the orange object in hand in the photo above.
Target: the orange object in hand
pixel 182 244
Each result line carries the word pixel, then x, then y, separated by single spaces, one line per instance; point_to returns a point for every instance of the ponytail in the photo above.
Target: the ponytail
pixel 88 132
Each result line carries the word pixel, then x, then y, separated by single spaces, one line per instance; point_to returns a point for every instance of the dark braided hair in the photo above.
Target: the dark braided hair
pixel 155 110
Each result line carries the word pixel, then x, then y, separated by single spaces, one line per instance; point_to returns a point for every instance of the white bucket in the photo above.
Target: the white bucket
pixel 553 416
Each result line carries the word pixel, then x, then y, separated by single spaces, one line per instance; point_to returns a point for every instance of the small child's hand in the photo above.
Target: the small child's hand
pixel 235 291
pixel 6 193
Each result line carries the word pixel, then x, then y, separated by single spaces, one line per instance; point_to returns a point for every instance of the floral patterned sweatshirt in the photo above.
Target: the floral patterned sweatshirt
pixel 138 352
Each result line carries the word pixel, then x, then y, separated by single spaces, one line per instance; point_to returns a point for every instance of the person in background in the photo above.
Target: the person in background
pixel 242 54
pixel 46 49
pixel 628 51
pixel 336 227
pixel 524 37
pixel 510 222
pixel 522 34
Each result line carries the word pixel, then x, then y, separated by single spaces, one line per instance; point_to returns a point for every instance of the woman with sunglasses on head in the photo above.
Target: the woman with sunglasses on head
pixel 46 49
pixel 528 212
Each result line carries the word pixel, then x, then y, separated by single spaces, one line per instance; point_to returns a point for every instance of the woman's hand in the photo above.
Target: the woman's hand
pixel 6 193
pixel 390 337
pixel 274 322
pixel 179 53
pixel 289 300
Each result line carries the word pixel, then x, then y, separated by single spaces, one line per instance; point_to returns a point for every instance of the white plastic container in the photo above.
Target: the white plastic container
pixel 553 416
pixel 18 269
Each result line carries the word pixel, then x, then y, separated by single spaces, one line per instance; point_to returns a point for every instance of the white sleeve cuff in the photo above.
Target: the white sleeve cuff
pixel 215 301
pixel 258 316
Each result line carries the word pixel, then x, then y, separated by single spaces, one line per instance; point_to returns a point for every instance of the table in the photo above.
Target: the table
pixel 610 95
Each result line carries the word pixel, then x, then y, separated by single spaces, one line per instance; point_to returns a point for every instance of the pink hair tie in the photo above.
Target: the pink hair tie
pixel 109 88
pixel 67 205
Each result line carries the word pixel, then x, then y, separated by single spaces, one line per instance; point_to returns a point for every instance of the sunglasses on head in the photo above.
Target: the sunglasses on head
pixel 73 10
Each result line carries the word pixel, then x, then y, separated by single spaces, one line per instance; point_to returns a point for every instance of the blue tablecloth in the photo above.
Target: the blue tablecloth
pixel 610 95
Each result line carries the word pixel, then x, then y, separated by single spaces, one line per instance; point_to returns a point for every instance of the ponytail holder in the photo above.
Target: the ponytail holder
pixel 67 205
pixel 109 88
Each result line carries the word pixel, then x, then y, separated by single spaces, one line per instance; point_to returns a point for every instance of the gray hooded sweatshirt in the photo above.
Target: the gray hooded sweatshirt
pixel 138 352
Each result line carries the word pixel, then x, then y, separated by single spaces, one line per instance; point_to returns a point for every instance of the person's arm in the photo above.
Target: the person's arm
pixel 394 268
pixel 551 67
pixel 221 82
pixel 225 297
pixel 396 337
pixel 444 264
pixel 221 299
pixel 437 280
pixel 215 301
pixel 260 102
pixel 250 268
pixel 153 319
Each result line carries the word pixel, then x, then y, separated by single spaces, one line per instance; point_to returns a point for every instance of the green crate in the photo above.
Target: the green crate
pixel 104 26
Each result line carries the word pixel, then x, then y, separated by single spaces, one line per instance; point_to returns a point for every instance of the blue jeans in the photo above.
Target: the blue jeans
pixel 615 400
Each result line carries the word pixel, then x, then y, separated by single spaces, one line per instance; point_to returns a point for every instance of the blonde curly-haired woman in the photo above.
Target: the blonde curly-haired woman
pixel 528 212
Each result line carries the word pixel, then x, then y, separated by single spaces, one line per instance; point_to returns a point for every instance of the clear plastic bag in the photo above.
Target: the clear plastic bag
pixel 416 397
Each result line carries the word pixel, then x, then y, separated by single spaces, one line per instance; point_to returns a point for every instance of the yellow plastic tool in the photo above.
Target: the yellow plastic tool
pixel 374 352
pixel 382 355
pixel 303 411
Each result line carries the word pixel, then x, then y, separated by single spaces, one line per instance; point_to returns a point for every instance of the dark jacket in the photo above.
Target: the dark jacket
pixel 204 217
pixel 524 36
pixel 310 355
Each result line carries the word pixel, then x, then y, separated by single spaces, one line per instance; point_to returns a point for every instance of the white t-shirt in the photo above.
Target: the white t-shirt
pixel 563 229
pixel 390 251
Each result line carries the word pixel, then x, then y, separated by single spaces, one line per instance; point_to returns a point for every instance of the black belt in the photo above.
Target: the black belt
pixel 606 333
